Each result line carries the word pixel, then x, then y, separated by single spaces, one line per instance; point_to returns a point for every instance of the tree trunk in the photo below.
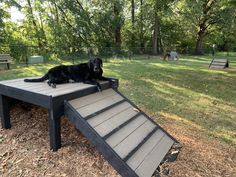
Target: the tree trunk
pixel 199 43
pixel 118 25
pixel 40 44
pixel 132 19
pixel 132 11
pixel 142 44
pixel 156 37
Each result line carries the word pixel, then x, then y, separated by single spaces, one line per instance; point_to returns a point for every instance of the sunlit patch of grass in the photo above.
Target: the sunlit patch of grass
pixel 181 119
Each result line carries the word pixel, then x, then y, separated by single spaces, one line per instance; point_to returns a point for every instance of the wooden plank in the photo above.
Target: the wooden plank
pixel 104 110
pixel 31 86
pixel 123 133
pixel 131 153
pixel 110 124
pixel 216 66
pixel 45 89
pixel 220 65
pixel 154 158
pixel 128 144
pixel 62 89
pixel 13 82
pixel 144 150
pixel 20 84
pixel 121 126
pixel 36 88
pixel 96 106
pixel 95 121
pixel 86 100
pixel 220 60
pixel 72 88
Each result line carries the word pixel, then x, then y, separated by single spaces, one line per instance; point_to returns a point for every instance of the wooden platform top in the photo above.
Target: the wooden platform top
pixel 43 88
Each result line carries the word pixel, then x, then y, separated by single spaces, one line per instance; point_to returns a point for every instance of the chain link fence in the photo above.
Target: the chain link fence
pixel 24 54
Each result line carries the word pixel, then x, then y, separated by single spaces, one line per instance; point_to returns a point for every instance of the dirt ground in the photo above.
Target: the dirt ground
pixel 24 150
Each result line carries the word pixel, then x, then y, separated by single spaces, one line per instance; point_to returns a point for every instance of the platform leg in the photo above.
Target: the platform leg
pixel 5 112
pixel 54 130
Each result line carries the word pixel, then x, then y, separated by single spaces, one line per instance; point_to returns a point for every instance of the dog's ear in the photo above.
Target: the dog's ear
pixel 100 61
pixel 89 63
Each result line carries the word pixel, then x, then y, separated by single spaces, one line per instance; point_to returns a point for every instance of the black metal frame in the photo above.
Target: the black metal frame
pixel 211 62
pixel 55 106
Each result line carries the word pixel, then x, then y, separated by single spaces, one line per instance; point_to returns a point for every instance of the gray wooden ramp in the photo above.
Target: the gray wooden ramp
pixel 219 63
pixel 128 139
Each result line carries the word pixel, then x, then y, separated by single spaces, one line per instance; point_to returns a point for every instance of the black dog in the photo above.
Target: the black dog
pixel 87 73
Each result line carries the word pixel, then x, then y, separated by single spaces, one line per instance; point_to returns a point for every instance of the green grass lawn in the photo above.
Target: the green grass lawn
pixel 185 91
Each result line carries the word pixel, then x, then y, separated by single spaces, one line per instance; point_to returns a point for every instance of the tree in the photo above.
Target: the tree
pixel 204 15
pixel 160 8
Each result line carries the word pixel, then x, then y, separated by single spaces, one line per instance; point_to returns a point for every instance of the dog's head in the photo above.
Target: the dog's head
pixel 95 65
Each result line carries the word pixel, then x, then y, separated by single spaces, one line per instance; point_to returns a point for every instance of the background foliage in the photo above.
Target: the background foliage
pixel 90 27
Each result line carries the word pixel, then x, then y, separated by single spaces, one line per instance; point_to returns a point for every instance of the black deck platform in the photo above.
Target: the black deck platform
pixel 42 95
pixel 129 140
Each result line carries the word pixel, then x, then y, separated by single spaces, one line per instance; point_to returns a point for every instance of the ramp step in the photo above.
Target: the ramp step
pixel 121 126
pixel 104 109
pixel 131 153
pixel 117 137
pixel 142 152
pixel 132 143
pixel 98 105
pixel 153 159
pixel 95 121
pixel 115 121
pixel 86 100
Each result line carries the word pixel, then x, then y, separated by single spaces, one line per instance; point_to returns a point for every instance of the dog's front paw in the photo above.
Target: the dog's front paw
pixel 99 88
pixel 49 83
pixel 54 85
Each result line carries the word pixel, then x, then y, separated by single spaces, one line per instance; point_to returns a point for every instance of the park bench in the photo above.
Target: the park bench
pixel 6 58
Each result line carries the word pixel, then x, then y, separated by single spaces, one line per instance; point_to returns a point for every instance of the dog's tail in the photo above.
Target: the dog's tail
pixel 41 79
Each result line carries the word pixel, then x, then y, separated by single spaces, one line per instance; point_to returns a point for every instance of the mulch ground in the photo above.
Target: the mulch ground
pixel 24 150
